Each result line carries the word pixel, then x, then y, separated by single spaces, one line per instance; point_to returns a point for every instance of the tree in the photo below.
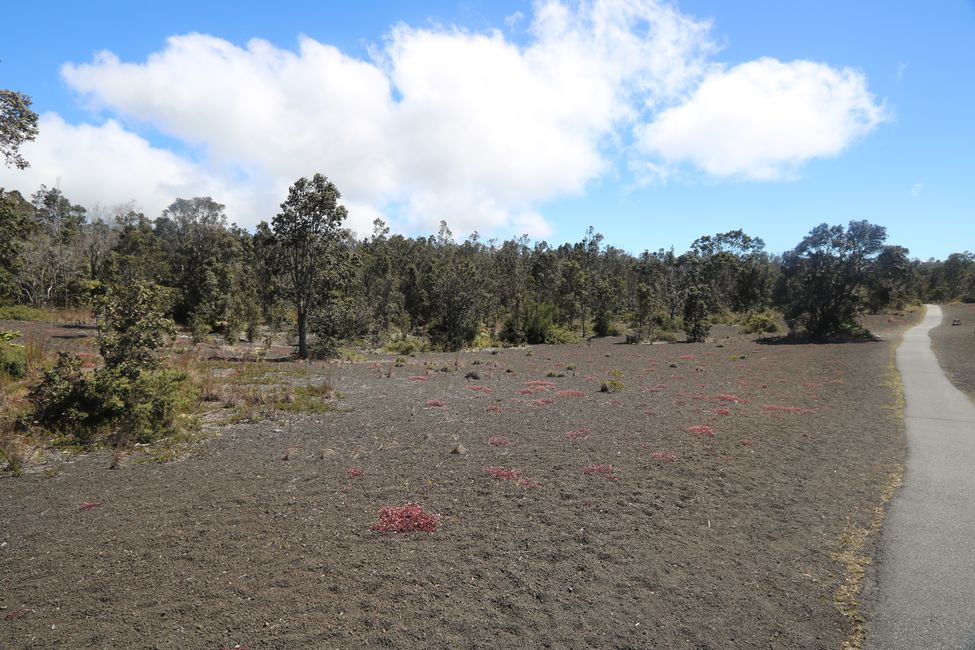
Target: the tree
pixel 696 324
pixel 826 277
pixel 309 231
pixel 18 124
pixel 15 229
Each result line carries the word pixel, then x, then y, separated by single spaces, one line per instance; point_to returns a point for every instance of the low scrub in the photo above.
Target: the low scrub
pixel 24 312
pixel 88 407
pixel 766 322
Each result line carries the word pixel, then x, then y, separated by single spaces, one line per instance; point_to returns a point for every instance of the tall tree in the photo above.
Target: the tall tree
pixel 18 124
pixel 826 276
pixel 308 230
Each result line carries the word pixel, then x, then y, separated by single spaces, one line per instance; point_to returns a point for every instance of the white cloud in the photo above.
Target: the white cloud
pixel 444 123
pixel 762 119
pixel 916 190
pixel 107 164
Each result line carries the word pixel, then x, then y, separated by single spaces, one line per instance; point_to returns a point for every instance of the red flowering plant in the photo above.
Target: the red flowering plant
pixel 405 518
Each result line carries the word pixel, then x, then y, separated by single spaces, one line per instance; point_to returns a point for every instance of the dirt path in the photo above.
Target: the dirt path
pixel 926 573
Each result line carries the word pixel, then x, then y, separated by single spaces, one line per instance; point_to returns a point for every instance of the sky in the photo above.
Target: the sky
pixel 654 122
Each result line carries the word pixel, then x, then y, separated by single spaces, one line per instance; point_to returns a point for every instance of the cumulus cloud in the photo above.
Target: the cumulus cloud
pixel 444 123
pixel 109 165
pixel 762 119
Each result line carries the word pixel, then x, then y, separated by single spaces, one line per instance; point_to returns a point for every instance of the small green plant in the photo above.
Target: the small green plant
pixel 13 356
pixel 307 399
pixel 400 362
pixel 612 386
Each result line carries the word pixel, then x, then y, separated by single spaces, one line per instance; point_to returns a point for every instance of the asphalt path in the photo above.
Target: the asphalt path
pixel 926 557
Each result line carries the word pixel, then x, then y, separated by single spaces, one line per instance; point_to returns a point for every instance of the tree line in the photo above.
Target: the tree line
pixel 306 273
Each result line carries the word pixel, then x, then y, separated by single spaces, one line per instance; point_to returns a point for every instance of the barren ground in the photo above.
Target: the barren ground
pixel 954 345
pixel 736 467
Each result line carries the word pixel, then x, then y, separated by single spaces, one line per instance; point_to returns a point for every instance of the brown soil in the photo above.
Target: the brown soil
pixel 262 539
pixel 954 345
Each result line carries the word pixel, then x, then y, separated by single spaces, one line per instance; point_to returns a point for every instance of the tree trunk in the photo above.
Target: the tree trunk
pixel 302 334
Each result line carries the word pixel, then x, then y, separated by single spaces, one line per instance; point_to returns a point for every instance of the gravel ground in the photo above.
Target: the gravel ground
pixel 954 345
pixel 700 507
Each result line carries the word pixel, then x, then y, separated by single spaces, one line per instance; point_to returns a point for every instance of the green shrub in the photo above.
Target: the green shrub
pixel 89 406
pixel 763 321
pixel 406 345
pixel 13 357
pixel 131 398
pixel 612 386
pixel 23 312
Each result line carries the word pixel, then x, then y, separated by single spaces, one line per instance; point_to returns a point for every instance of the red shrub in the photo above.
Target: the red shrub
pixel 542 402
pixel 541 383
pixel 418 378
pixel 606 471
pixel 480 389
pixel 499 441
pixel 663 455
pixel 90 505
pixel 571 393
pixel 525 391
pixel 701 429
pixel 616 402
pixel 354 472
pixel 434 402
pixel 513 475
pixel 400 519
pixel 494 408
pixel 745 443
pixel 723 411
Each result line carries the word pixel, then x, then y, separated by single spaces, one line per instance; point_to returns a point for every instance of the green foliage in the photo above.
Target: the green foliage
pixel 825 277
pixel 696 325
pixel 18 125
pixel 406 345
pixel 455 304
pixel 307 399
pixel 89 406
pixel 766 321
pixel 310 240
pixel 131 324
pixel 13 357
pixel 131 398
pixel 612 386
pixel 25 313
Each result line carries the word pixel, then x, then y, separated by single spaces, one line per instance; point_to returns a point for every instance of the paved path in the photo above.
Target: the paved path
pixel 926 560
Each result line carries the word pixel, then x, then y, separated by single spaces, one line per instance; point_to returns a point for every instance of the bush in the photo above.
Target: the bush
pixel 761 322
pixel 406 345
pixel 131 398
pixel 13 357
pixel 90 406
pixel 612 386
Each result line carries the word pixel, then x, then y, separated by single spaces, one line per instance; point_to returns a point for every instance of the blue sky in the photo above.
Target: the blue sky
pixel 656 123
